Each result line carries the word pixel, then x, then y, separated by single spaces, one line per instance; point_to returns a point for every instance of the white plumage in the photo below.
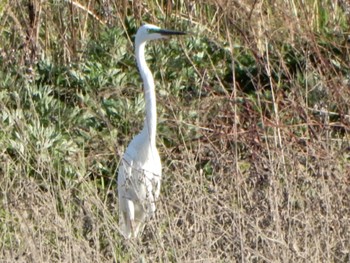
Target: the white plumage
pixel 140 170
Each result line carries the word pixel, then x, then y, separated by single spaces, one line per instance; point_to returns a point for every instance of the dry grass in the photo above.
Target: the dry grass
pixel 254 140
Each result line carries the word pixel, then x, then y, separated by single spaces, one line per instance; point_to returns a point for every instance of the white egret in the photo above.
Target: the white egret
pixel 140 170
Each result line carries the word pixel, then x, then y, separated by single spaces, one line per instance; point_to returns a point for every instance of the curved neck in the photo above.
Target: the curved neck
pixel 150 124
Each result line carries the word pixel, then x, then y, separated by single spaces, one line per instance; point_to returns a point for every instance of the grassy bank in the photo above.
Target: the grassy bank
pixel 254 130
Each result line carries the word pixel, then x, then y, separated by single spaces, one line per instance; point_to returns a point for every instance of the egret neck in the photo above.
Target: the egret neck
pixel 150 124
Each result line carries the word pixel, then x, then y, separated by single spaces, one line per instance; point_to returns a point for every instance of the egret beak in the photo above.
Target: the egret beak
pixel 166 32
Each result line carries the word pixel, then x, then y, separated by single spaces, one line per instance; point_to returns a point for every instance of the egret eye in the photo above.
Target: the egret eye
pixel 151 31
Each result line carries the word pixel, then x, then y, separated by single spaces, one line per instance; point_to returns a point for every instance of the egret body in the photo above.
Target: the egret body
pixel 140 169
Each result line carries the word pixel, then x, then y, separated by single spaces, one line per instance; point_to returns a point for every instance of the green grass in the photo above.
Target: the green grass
pixel 253 131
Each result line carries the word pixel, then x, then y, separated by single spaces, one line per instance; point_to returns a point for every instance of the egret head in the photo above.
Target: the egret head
pixel 150 32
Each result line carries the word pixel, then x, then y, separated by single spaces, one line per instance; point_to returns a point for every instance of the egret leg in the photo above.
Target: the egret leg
pixel 131 215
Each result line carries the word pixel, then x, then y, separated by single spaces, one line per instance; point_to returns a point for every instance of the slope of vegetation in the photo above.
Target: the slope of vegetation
pixel 254 130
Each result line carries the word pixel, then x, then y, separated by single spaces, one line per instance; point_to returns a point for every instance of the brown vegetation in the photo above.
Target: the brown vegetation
pixel 254 130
